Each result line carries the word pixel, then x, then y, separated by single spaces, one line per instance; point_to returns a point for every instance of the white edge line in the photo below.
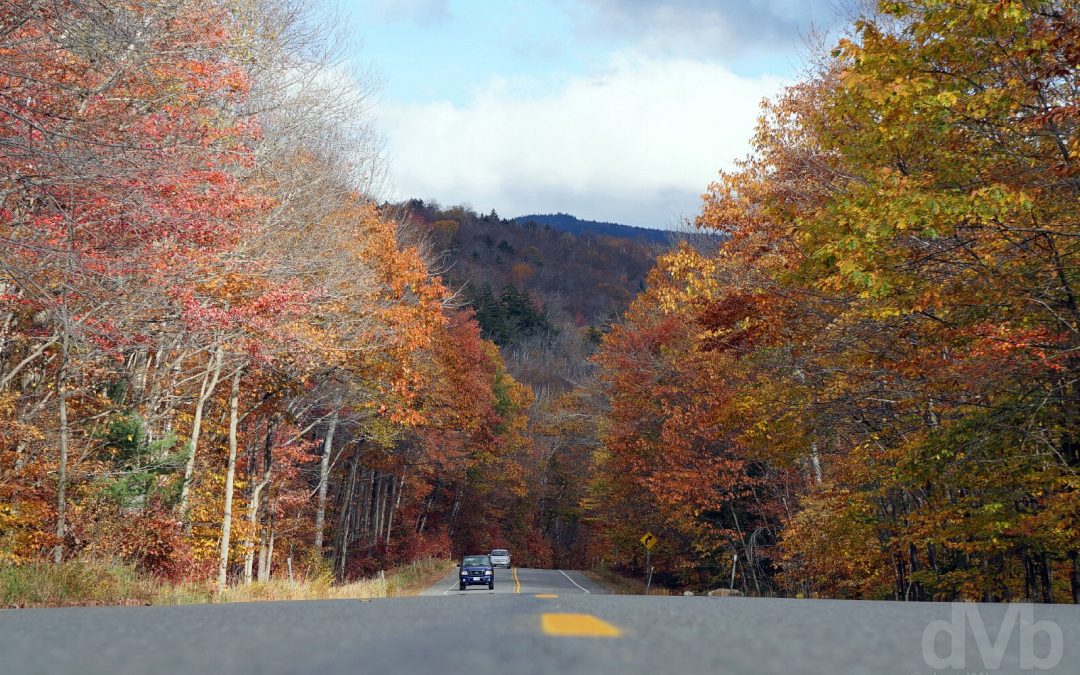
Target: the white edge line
pixel 455 587
pixel 575 583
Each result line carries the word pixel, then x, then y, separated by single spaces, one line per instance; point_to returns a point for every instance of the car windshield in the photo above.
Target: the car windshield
pixel 475 561
pixel 500 551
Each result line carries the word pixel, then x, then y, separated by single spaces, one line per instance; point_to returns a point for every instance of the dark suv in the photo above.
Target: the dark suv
pixel 476 570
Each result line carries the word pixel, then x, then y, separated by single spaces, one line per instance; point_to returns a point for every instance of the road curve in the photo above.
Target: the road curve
pixel 554 623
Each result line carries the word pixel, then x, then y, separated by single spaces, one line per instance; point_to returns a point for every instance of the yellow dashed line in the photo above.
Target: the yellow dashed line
pixel 577 625
pixel 545 595
pixel 517 582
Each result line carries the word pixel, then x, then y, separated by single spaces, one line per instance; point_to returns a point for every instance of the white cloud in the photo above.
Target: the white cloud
pixel 637 144
pixel 705 27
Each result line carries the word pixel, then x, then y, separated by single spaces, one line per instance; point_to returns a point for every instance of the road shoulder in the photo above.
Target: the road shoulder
pixel 587 583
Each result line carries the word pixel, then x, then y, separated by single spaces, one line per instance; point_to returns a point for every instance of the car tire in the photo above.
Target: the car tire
pixel 462 587
pixel 491 586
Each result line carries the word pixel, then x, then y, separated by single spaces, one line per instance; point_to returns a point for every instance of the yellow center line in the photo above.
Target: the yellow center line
pixel 577 625
pixel 517 582
pixel 545 595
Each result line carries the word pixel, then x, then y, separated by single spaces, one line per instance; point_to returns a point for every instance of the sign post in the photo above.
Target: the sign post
pixel 648 540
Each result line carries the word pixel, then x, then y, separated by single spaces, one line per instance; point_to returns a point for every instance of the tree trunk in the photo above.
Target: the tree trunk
pixel 5 324
pixel 168 410
pixel 10 374
pixel 65 438
pixel 376 514
pixel 356 524
pixel 454 511
pixel 369 501
pixel 1074 577
pixel 270 552
pixel 1044 577
pixel 395 505
pixel 1029 578
pixel 256 493
pixel 324 476
pixel 210 380
pixel 388 510
pixel 139 375
pixel 260 561
pixel 266 551
pixel 429 503
pixel 380 508
pixel 916 566
pixel 341 548
pixel 230 476
pixel 815 463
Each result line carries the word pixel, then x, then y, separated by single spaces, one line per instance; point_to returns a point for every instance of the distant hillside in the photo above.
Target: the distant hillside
pixel 583 278
pixel 543 294
pixel 565 222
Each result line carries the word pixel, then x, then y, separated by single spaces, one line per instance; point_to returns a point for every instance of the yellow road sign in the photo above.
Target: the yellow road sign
pixel 649 540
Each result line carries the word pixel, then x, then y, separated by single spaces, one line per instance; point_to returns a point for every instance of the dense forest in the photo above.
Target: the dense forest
pixel 870 390
pixel 223 360
pixel 218 359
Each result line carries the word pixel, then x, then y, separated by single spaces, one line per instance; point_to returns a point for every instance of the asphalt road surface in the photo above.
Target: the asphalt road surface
pixel 541 621
pixel 521 580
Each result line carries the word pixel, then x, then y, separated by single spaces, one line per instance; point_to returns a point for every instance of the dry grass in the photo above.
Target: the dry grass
pixel 622 585
pixel 41 584
pixel 401 581
pixel 87 582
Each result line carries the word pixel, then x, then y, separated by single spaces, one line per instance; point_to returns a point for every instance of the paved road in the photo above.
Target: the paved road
pixel 565 630
pixel 521 580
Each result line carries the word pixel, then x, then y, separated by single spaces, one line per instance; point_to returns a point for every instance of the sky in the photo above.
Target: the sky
pixel 613 110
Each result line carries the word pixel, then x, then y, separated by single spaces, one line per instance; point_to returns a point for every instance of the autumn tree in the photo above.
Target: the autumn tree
pixel 885 340
pixel 217 356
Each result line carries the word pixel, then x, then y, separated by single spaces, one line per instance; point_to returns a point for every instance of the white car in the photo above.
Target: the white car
pixel 500 557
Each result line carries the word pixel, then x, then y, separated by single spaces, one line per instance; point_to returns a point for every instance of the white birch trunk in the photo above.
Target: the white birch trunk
pixel 324 476
pixel 210 380
pixel 230 476
pixel 393 507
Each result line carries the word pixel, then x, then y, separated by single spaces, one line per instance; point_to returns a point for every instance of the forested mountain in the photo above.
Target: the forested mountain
pixel 565 222
pixel 545 296
pixel 586 278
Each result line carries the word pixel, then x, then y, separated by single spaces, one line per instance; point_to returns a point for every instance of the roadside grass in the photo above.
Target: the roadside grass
pixel 619 584
pixel 90 582
pixel 400 581
pixel 93 582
